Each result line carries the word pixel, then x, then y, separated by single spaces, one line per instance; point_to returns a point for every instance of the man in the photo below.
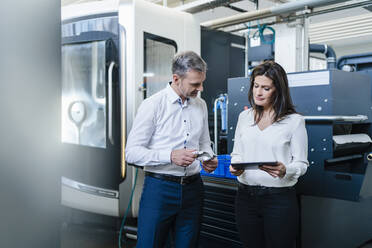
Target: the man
pixel 169 129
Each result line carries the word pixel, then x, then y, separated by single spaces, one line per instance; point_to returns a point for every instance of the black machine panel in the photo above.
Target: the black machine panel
pixel 218 228
pixel 225 56
pixel 238 101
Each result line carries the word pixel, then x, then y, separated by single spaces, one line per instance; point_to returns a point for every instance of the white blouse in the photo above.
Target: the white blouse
pixel 284 141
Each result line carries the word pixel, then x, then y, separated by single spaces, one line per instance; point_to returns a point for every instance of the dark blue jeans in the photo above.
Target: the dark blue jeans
pixel 168 207
pixel 267 218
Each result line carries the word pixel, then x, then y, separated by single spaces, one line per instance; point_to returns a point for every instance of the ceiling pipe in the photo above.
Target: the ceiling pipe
pixel 314 13
pixel 282 9
pixel 327 51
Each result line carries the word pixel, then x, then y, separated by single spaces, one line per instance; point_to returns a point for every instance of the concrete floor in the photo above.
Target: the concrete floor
pixel 89 236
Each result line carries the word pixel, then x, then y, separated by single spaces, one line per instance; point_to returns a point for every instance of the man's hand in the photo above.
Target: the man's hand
pixel 210 165
pixel 183 157
pixel 276 170
pixel 235 172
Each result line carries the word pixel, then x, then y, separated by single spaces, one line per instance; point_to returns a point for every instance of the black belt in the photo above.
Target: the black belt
pixel 177 179
pixel 263 190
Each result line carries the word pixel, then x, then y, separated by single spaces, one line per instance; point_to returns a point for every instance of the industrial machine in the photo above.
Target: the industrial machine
pixel 260 48
pixel 338 126
pixel 112 58
pixel 336 190
pixel 330 222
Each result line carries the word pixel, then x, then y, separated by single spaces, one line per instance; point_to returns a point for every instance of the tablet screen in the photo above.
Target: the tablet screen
pixel 251 165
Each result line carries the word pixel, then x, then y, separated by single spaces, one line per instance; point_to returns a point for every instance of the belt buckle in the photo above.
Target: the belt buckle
pixel 182 182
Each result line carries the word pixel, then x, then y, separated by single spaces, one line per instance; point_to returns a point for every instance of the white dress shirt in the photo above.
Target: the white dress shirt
pixel 162 124
pixel 284 141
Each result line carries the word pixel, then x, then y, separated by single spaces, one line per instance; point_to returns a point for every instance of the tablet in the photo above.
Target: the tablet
pixel 251 165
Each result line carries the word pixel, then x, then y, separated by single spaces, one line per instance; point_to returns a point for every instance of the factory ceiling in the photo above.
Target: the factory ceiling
pixel 344 26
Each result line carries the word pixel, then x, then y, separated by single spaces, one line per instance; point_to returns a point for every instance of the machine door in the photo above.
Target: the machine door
pixel 84 101
pixel 90 115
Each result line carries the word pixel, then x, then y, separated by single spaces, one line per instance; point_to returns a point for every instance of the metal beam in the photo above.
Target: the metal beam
pixel 201 5
pixel 286 8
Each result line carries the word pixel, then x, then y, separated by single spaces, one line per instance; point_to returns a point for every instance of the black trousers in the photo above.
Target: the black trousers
pixel 267 217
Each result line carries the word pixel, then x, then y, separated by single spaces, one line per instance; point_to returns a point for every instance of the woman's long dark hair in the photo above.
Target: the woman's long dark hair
pixel 281 98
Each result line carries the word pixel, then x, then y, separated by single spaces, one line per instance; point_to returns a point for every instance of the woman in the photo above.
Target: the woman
pixel 266 205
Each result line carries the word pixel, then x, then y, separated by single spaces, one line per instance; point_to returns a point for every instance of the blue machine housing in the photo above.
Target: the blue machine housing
pixel 336 173
pixel 361 63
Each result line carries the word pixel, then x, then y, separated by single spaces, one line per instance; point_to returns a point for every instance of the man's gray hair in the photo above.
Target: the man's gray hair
pixel 183 62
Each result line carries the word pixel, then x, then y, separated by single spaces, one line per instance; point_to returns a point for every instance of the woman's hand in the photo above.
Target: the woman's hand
pixel 235 172
pixel 278 170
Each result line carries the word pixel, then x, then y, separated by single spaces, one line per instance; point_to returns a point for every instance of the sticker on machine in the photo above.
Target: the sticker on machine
pixel 308 78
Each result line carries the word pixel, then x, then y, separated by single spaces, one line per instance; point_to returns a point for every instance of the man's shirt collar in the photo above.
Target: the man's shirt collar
pixel 174 97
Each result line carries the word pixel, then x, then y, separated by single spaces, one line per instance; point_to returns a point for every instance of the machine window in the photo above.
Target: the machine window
pixel 158 55
pixel 84 94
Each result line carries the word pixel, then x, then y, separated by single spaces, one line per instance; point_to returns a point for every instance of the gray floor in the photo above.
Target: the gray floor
pixel 85 236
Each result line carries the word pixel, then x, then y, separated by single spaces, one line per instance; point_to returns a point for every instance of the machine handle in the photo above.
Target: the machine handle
pixel 224 114
pixel 222 98
pixel 123 101
pixel 336 118
pixel 215 125
pixel 342 159
pixel 218 99
pixel 110 102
